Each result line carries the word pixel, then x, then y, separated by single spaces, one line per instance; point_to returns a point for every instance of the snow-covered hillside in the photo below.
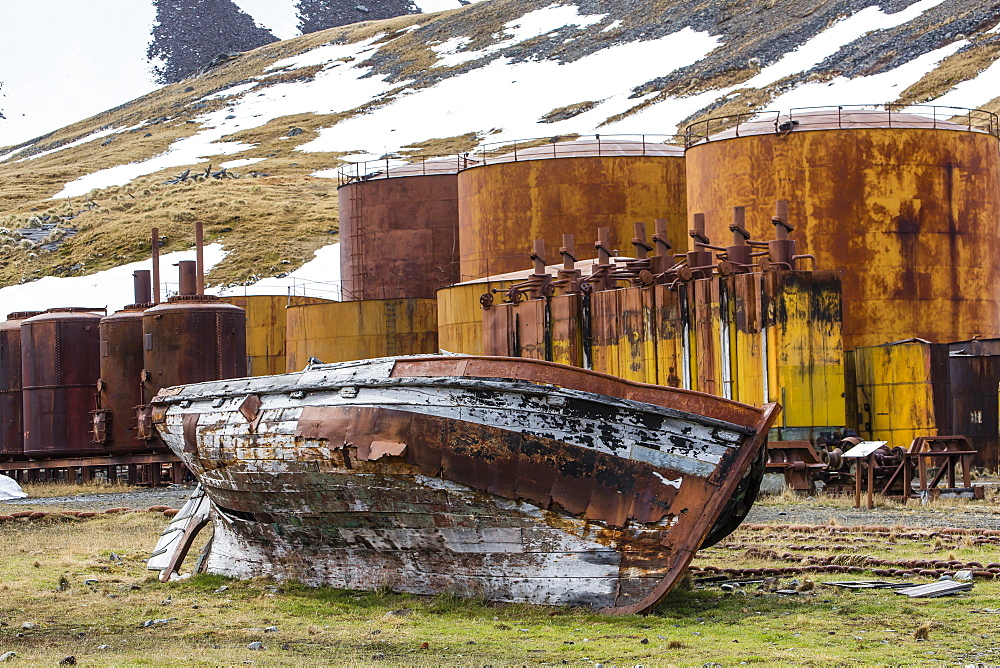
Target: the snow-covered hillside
pixel 285 115
pixel 63 60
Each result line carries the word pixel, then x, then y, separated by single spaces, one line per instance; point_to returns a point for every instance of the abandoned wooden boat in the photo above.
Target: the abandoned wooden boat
pixel 508 479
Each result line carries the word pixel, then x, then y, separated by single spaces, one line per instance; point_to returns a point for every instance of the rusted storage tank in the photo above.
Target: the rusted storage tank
pixel 573 187
pixel 60 365
pixel 120 388
pixel 192 338
pixel 399 230
pixel 904 205
pixel 266 324
pixel 11 422
pixel 343 331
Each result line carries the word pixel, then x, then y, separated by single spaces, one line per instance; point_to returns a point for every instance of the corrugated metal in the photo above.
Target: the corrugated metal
pixel 60 365
pixel 975 381
pixel 11 408
pixel 899 391
pixel 504 207
pixel 907 215
pixel 398 236
pixel 266 323
pixel 343 331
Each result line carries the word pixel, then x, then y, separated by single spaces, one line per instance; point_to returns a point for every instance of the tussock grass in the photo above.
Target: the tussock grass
pixel 953 70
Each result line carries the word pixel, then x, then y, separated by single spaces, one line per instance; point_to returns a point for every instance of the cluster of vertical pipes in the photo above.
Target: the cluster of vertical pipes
pixel 76 382
pixel 742 321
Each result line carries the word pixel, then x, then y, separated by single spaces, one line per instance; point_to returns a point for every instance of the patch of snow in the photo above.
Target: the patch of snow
pixel 883 87
pixel 973 93
pixel 326 173
pixel 332 90
pixel 322 55
pixel 279 16
pixel 187 151
pixel 611 26
pixel 320 277
pixel 9 489
pixel 238 89
pixel 111 288
pixel 243 162
pixel 533 24
pixel 455 106
pixel 79 142
pixel 831 40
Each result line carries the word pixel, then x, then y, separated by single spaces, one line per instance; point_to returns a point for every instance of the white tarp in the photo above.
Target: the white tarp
pixel 9 489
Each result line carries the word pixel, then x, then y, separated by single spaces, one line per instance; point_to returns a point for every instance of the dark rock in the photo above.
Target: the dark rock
pixel 68 661
pixel 317 15
pixel 190 35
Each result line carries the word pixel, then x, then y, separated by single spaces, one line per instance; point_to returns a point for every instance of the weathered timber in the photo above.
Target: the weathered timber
pixel 510 479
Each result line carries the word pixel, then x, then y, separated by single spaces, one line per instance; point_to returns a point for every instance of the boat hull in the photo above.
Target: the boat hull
pixel 467 483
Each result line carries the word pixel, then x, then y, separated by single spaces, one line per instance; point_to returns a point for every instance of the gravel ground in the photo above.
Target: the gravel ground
pixel 173 496
pixel 977 515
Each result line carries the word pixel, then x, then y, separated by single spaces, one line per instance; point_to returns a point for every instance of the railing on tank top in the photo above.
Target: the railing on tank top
pixel 889 115
pixel 539 148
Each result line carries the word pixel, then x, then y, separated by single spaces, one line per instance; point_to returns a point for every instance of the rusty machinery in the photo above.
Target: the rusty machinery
pixel 68 359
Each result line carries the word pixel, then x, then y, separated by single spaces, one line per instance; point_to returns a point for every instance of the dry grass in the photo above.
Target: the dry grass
pixel 44 490
pixel 446 146
pixel 101 622
pixel 953 70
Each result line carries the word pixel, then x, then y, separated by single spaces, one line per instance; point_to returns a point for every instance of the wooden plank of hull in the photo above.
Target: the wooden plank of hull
pixel 444 504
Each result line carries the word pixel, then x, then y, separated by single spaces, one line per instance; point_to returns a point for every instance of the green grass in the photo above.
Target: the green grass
pixel 696 625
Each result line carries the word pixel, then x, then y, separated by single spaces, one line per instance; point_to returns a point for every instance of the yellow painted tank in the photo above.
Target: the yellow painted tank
pixel 343 331
pixel 904 205
pixel 575 187
pixel 266 329
pixel 899 391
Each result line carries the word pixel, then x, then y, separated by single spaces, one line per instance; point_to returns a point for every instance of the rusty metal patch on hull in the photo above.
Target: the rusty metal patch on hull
pixel 440 474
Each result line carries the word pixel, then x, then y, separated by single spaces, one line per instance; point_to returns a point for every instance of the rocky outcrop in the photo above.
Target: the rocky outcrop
pixel 315 15
pixel 190 34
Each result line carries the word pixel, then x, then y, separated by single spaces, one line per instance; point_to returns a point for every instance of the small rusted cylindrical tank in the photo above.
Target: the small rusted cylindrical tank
pixel 904 205
pixel 575 187
pixel 192 338
pixel 60 365
pixel 399 231
pixel 11 421
pixel 120 388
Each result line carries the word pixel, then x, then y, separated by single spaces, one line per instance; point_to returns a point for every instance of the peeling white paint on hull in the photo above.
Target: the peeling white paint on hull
pixel 395 473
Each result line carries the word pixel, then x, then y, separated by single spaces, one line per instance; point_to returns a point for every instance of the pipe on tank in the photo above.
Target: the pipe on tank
pixel 141 288
pixel 199 254
pixel 156 265
pixel 187 270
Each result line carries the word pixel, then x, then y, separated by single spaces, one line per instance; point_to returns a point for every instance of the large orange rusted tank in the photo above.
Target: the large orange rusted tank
pixel 904 205
pixel 574 187
pixel 399 231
